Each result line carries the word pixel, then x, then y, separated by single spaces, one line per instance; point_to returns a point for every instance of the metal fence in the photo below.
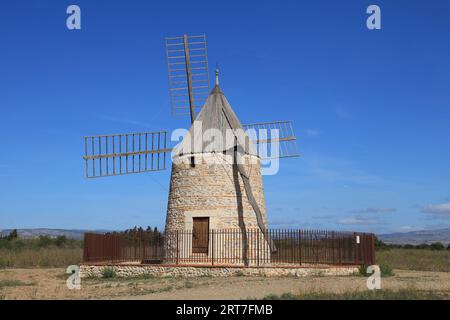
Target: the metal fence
pixel 233 247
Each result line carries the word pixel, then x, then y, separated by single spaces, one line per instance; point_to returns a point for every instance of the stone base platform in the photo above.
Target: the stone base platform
pixel 133 270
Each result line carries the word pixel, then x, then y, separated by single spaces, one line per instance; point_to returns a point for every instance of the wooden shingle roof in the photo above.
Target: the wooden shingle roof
pixel 216 129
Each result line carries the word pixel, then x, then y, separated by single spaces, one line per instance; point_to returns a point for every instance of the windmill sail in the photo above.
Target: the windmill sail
pixel 187 62
pixel 117 154
pixel 279 133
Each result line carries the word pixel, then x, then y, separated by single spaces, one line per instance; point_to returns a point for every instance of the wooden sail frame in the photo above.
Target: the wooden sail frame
pixel 262 135
pixel 188 73
pixel 118 154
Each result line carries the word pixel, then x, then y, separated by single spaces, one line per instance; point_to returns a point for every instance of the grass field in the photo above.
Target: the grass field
pixel 41 252
pixel 415 259
pixel 40 258
pixel 50 283
pixel 383 294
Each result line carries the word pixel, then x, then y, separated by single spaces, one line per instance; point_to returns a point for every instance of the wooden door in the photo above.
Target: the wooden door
pixel 200 235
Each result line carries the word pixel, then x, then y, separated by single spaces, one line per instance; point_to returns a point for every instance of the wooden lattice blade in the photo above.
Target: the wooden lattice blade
pixel 187 65
pixel 118 154
pixel 273 139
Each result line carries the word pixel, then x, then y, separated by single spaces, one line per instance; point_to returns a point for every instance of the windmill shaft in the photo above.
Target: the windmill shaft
pixel 189 78
pixel 276 140
pixel 125 154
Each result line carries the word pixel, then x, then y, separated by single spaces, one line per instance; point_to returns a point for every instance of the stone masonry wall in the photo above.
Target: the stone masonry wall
pixel 209 189
pixel 178 271
pixel 213 188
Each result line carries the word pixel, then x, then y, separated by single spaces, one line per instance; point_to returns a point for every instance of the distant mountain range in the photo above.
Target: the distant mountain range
pixel 412 237
pixel 417 237
pixel 33 233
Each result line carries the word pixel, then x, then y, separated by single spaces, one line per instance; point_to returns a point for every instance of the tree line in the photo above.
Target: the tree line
pixel 13 241
pixel 380 245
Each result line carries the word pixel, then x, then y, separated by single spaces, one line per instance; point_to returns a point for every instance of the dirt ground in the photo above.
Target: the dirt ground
pixel 51 284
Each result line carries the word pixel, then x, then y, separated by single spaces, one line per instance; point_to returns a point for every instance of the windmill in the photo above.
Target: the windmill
pixel 215 183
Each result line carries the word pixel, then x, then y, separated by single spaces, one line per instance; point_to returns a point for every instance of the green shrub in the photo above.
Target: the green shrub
pixel 60 241
pixel 379 244
pixel 385 270
pixel 284 296
pixel 363 270
pixel 44 241
pixel 109 272
pixel 437 246
pixel 13 235
pixel 448 247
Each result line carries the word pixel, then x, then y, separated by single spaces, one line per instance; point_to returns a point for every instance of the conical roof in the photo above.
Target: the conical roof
pixel 215 129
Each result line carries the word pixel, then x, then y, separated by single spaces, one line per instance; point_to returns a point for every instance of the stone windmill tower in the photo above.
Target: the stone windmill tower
pixel 216 180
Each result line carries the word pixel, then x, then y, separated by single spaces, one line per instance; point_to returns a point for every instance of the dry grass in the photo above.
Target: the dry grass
pixel 50 283
pixel 415 259
pixel 42 257
pixel 14 283
pixel 402 294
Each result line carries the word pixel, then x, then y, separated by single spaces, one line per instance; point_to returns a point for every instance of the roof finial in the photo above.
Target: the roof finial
pixel 217 74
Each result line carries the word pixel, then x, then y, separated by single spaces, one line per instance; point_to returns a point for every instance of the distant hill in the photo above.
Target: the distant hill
pixel 33 233
pixel 417 237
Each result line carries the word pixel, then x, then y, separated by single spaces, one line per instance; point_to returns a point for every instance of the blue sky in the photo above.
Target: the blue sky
pixel 371 109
